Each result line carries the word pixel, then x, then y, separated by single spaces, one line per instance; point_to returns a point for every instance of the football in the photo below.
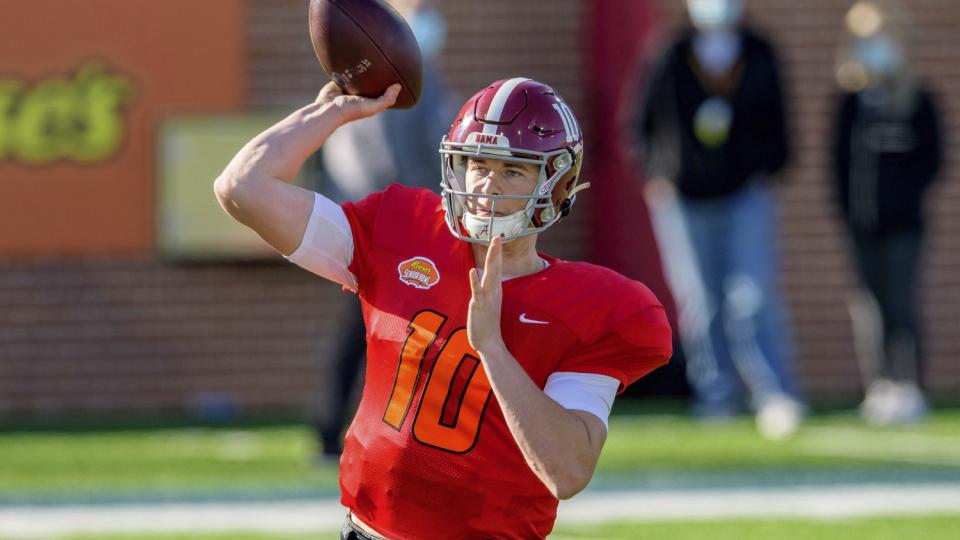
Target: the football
pixel 365 46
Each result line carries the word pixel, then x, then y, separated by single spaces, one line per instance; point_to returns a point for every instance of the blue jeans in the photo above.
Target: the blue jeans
pixel 744 339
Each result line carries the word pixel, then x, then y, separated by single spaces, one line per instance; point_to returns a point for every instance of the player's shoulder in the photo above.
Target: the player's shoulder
pixel 601 284
pixel 402 203
pixel 395 205
pixel 399 194
pixel 590 300
pixel 408 214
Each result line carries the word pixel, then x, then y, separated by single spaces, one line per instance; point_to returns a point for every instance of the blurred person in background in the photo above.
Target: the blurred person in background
pixel 364 157
pixel 712 131
pixel 887 151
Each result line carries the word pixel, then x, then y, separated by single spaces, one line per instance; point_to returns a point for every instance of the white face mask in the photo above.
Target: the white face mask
pixel 879 56
pixel 717 51
pixel 715 14
pixel 430 29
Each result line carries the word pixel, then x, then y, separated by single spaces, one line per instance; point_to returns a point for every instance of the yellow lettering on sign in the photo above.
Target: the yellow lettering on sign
pixel 77 119
pixel 422 267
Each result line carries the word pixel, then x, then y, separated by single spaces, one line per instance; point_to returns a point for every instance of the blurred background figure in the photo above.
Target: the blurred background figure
pixel 887 151
pixel 366 156
pixel 713 132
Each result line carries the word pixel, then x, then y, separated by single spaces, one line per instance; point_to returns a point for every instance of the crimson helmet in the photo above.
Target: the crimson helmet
pixel 518 120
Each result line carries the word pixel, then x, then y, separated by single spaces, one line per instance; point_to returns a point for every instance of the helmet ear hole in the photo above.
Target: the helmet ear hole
pixel 546 215
pixel 565 207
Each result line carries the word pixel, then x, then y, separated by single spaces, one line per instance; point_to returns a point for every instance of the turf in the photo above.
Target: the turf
pixel 161 461
pixel 277 460
pixel 676 442
pixel 942 527
pixel 935 527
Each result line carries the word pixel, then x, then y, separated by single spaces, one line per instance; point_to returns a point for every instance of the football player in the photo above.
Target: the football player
pixel 491 368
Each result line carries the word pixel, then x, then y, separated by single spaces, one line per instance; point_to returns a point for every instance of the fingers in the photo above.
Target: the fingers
pixel 474 282
pixel 328 92
pixel 385 101
pixel 356 107
pixel 390 96
pixel 494 262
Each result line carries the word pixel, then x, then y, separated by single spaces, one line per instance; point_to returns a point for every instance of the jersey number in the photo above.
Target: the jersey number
pixel 456 393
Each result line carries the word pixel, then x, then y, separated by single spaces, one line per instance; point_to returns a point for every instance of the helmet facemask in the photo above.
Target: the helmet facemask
pixel 542 208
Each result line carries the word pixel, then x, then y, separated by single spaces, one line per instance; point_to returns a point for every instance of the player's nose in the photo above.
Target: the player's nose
pixel 491 183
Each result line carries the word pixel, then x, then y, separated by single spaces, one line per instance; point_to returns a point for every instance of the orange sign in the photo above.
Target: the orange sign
pixel 82 88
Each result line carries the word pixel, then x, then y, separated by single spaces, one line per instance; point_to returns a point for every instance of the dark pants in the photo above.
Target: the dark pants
pixel 888 265
pixel 337 409
pixel 350 532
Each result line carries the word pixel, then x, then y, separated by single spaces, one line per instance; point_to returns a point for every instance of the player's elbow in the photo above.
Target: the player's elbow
pixel 234 193
pixel 238 186
pixel 569 480
pixel 227 190
pixel 571 484
pixel 223 188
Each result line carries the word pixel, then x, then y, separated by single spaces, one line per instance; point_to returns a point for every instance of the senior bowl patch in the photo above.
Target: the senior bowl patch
pixel 419 272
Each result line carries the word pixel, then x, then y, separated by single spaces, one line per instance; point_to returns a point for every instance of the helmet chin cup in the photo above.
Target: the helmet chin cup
pixel 485 229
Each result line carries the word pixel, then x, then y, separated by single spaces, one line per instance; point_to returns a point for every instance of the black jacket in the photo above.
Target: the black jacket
pixel 757 139
pixel 883 162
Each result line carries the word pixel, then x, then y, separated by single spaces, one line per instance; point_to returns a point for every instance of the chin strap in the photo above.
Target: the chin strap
pixel 548 214
pixel 577 189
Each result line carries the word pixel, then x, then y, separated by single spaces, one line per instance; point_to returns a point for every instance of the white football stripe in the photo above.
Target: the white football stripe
pixel 499 102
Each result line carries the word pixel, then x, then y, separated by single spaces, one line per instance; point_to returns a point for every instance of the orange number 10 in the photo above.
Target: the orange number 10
pixel 456 392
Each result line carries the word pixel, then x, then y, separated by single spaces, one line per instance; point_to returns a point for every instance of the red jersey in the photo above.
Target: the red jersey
pixel 429 454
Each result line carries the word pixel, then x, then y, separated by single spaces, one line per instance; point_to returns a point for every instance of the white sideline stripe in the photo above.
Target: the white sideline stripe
pixel 280 517
pixel 326 515
pixel 499 102
pixel 876 437
pixel 807 502
pixel 922 448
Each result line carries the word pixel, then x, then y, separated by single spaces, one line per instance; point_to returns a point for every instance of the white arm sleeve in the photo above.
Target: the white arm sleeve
pixel 588 392
pixel 327 245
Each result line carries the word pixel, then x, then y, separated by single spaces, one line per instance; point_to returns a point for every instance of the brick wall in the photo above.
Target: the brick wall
pixel 135 336
pixel 116 336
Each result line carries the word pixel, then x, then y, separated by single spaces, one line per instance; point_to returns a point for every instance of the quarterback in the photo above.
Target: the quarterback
pixel 491 367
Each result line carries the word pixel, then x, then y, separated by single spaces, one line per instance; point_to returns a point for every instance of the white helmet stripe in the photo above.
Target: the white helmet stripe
pixel 569 121
pixel 499 102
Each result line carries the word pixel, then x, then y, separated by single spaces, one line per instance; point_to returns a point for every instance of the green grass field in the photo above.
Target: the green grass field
pixel 917 528
pixel 267 462
pixel 277 458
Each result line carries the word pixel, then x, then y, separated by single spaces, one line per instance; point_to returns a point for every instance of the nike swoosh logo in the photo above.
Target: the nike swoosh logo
pixel 524 319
